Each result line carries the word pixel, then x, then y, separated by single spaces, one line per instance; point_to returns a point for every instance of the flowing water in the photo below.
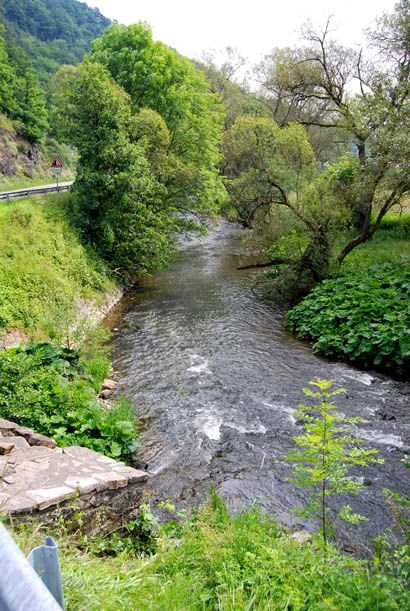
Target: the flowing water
pixel 215 378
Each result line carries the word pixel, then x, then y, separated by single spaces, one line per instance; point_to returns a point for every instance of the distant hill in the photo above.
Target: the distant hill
pixel 51 32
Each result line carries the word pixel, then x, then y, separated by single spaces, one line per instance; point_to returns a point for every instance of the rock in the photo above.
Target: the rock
pixel 82 483
pixel 7 427
pixel 8 479
pixel 13 338
pixel 109 384
pixel 41 440
pixel 25 432
pixel 301 536
pixel 105 394
pixel 45 497
pixel 6 448
pixel 132 475
pixel 111 480
pixel 19 442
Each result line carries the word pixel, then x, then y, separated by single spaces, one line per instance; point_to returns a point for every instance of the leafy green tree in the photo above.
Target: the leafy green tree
pixel 315 83
pixel 327 450
pixel 118 199
pixel 8 78
pixel 158 78
pixel 273 179
pixel 31 109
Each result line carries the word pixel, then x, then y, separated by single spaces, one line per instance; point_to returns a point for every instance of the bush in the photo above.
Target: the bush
pixel 50 389
pixel 365 320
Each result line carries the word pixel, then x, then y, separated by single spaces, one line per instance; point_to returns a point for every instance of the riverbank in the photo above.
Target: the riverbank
pixel 47 276
pixel 360 314
pixel 54 290
pixel 215 380
pixel 213 560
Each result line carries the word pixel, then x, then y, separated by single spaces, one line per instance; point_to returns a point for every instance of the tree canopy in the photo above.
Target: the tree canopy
pixel 51 32
pixel 148 132
pixel 311 87
pixel 21 97
pixel 158 78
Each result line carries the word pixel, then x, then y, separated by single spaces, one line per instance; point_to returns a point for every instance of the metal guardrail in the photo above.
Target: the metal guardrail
pixel 32 584
pixel 34 191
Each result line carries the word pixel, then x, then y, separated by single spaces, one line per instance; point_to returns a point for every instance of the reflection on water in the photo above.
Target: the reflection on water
pixel 215 378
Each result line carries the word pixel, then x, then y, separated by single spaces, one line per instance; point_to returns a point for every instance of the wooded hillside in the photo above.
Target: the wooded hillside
pixel 51 32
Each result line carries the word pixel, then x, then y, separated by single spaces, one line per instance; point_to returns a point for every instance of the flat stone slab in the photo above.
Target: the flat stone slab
pixel 9 429
pixel 36 476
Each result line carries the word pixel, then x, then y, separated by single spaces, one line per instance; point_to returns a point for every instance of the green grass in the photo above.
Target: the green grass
pixel 220 562
pixel 44 268
pixel 390 244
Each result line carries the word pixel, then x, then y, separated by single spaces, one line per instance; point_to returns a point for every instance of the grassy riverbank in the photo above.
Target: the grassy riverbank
pixel 217 561
pixel 51 285
pixel 45 270
pixel 363 315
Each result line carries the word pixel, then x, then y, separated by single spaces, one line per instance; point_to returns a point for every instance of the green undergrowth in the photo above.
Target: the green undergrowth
pixel 364 318
pixel 362 315
pixel 217 561
pixel 54 391
pixel 44 268
pixel 390 244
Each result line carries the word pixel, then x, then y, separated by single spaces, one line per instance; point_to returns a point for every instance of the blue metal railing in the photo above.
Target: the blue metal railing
pixel 29 584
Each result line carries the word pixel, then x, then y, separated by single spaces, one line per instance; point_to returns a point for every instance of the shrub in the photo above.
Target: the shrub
pixel 50 389
pixel 325 453
pixel 365 320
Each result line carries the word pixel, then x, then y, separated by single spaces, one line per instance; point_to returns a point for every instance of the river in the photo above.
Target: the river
pixel 215 377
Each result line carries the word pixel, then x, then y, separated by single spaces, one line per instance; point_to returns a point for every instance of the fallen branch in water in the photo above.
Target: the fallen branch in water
pixel 268 263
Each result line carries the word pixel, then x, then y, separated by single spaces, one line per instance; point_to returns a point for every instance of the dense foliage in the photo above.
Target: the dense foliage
pixel 217 561
pixel 118 197
pixel 51 32
pixel 21 97
pixel 50 389
pixel 147 132
pixel 364 319
pixel 158 78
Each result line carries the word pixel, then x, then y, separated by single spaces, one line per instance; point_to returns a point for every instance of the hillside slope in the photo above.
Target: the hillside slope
pixel 51 32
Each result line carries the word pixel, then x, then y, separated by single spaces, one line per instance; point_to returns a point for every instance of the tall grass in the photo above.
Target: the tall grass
pixel 225 562
pixel 390 244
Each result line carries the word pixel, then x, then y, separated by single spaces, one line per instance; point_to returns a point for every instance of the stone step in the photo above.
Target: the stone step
pixel 37 477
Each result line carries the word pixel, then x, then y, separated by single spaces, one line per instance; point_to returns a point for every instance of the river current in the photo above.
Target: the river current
pixel 215 378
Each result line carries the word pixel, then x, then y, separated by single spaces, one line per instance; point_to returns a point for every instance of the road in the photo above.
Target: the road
pixel 62 186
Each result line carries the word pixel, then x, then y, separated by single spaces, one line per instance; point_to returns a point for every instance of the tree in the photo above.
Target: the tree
pixel 8 79
pixel 272 169
pixel 235 95
pixel 326 452
pixel 31 109
pixel 118 200
pixel 158 78
pixel 320 75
